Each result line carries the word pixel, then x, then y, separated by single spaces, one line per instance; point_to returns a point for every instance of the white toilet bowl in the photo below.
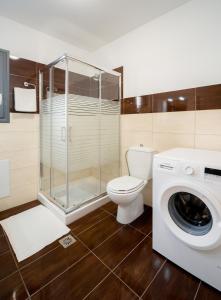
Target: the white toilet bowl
pixel 126 190
pixel 126 193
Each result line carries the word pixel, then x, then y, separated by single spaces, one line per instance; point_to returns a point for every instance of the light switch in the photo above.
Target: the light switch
pixel 0 99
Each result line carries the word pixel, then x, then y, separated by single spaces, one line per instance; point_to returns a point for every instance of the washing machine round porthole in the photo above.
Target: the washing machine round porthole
pixel 190 213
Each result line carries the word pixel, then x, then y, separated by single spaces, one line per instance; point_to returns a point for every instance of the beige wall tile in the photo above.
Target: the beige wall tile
pixel 21 158
pixel 18 140
pixel 208 121
pixel 21 194
pixel 136 122
pixel 24 176
pixel 136 138
pixel 165 141
pixel 206 141
pixel 21 122
pixel 174 122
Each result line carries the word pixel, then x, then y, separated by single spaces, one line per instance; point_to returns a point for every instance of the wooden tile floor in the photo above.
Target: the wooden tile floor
pixel 108 261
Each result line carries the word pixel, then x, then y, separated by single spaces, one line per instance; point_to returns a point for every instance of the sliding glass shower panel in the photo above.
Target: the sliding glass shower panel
pixel 109 128
pixel 84 133
pixel 45 133
pixel 59 135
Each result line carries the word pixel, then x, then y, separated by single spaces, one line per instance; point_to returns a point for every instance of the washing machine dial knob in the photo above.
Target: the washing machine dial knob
pixel 188 170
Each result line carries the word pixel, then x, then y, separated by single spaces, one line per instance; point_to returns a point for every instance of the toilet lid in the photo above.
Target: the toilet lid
pixel 125 184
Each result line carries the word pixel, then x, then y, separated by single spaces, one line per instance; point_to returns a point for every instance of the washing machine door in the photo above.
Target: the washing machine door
pixel 192 214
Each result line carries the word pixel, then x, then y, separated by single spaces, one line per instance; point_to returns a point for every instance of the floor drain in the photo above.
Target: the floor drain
pixel 67 241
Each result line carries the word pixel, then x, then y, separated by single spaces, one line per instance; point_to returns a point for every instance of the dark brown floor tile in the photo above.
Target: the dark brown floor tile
pixel 7 264
pixel 99 232
pixel 12 288
pixel 206 292
pixel 3 244
pixel 144 222
pixel 110 207
pixel 172 283
pixel 112 288
pixel 15 210
pixel 41 271
pixel 87 221
pixel 140 267
pixel 113 250
pixel 77 282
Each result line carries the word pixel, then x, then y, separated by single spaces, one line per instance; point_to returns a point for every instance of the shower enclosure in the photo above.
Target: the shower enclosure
pixel 79 132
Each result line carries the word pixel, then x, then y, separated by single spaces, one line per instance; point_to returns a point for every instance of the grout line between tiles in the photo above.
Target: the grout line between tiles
pixel 129 253
pixel 126 284
pixel 111 271
pixel 199 285
pixel 154 277
pixel 104 239
pixel 90 251
pixel 9 275
pixel 76 234
pixel 60 274
pixel 110 213
pixel 37 258
pixel 27 291
pixel 146 234
pixel 97 285
pixel 16 263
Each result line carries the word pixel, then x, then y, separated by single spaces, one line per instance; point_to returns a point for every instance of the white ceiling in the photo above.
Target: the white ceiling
pixel 88 24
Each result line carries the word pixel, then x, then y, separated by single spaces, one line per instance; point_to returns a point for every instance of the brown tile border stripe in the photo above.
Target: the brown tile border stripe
pixel 208 97
pixel 200 98
pixel 182 100
pixel 136 105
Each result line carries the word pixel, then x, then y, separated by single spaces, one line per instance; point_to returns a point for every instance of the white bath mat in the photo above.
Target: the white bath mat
pixel 32 230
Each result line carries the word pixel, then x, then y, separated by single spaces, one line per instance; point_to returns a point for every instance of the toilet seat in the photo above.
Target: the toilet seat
pixel 125 184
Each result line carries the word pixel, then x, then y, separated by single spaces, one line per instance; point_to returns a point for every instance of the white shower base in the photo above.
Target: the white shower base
pixel 79 198
pixel 80 191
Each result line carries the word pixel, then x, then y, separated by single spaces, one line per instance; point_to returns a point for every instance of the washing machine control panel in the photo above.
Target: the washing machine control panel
pixel 189 169
pixel 180 168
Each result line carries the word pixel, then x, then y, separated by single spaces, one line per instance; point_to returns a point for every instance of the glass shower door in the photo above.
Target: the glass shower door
pixel 109 128
pixel 83 133
pixel 59 137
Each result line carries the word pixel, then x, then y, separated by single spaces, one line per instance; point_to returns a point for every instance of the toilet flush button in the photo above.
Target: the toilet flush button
pixel 189 170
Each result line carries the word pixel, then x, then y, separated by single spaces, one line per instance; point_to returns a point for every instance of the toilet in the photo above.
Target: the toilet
pixel 126 190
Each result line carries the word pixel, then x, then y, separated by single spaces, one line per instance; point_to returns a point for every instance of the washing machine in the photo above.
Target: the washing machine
pixel 187 211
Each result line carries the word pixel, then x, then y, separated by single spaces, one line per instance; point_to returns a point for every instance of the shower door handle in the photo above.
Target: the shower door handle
pixel 69 134
pixel 63 133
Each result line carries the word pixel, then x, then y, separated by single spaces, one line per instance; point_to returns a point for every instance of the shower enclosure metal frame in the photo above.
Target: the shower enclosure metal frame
pixel 66 58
